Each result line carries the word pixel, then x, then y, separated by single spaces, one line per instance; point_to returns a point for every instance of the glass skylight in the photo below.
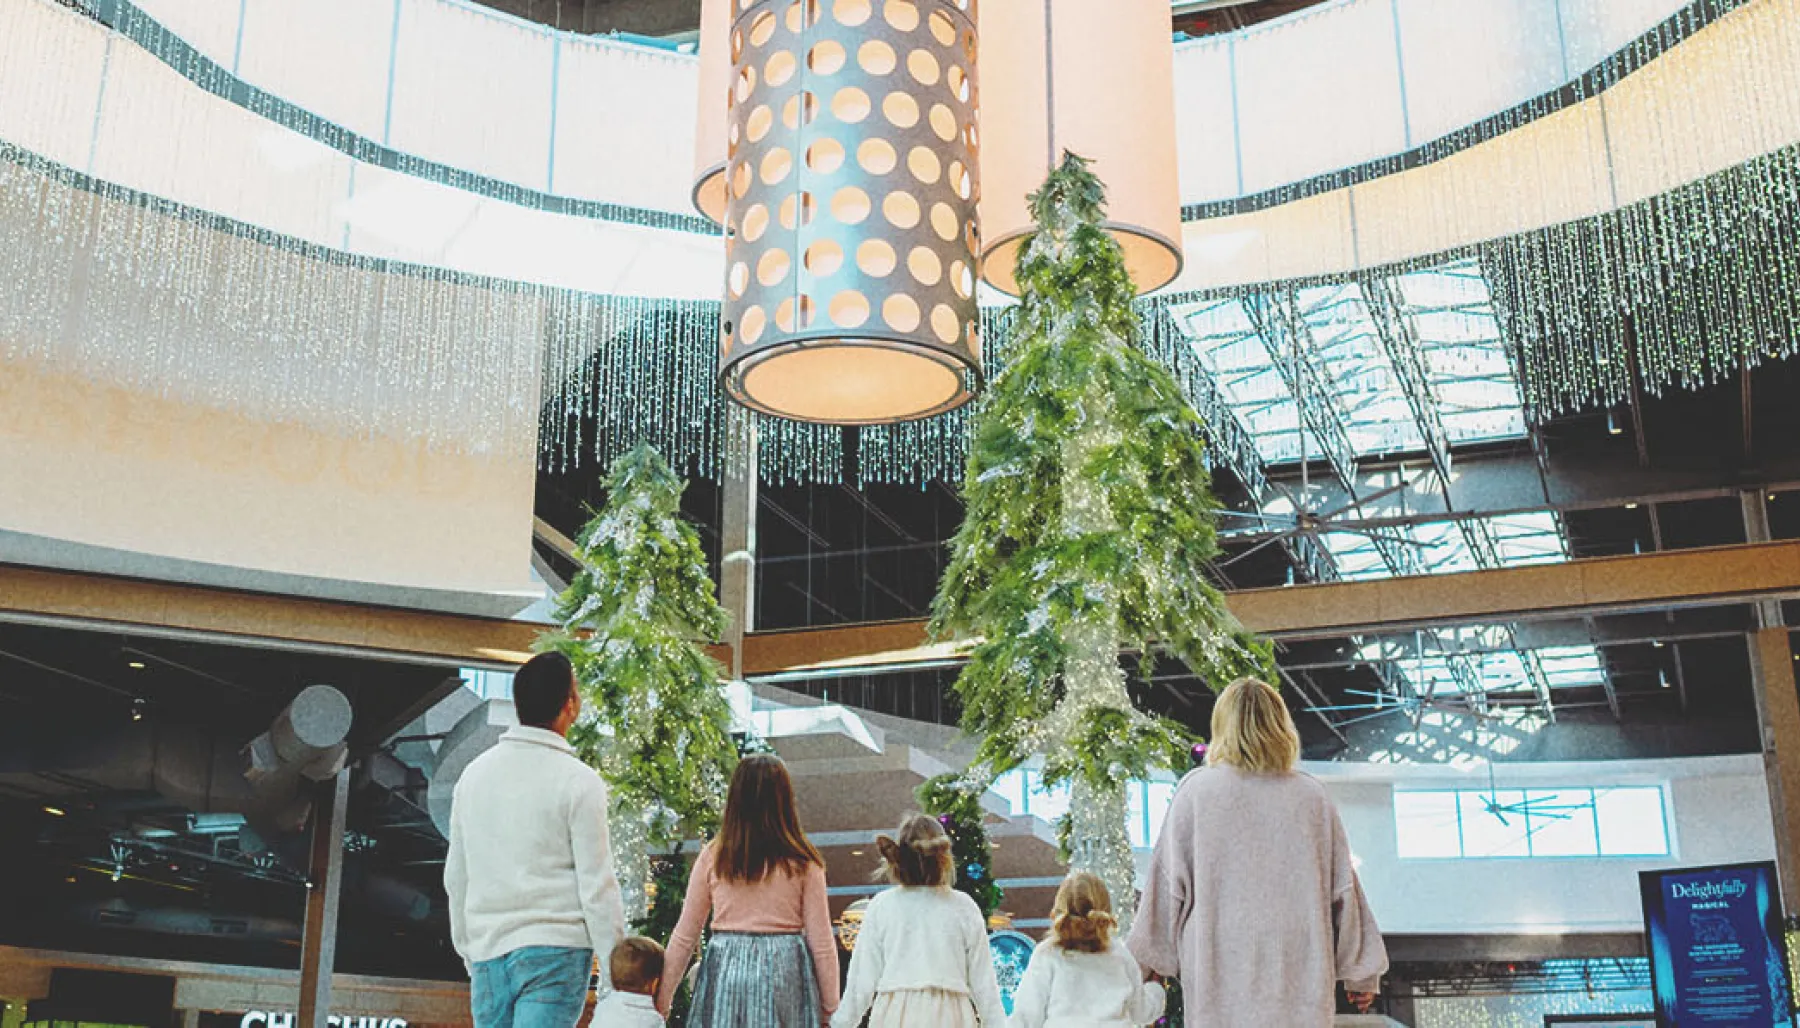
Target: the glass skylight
pixel 1357 399
pixel 1414 363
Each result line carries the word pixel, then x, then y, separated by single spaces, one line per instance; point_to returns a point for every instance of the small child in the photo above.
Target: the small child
pixel 922 957
pixel 637 970
pixel 1077 978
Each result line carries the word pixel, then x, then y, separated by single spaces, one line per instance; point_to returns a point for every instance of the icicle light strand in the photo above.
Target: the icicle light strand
pixel 1682 290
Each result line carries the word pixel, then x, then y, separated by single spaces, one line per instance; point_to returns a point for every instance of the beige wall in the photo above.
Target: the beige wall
pixel 101 466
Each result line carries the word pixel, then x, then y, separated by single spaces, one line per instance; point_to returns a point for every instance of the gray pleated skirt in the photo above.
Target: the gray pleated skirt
pixel 752 980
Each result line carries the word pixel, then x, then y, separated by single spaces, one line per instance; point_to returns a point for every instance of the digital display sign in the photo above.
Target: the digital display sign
pixel 1717 958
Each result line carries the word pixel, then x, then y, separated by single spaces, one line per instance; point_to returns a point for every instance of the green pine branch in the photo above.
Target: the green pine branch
pixel 1017 579
pixel 633 621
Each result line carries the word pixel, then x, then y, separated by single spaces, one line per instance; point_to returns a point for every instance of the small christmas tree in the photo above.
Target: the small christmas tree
pixel 1089 531
pixel 958 809
pixel 634 619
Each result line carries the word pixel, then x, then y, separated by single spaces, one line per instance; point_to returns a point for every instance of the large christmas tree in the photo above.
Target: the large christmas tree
pixel 1089 532
pixel 634 620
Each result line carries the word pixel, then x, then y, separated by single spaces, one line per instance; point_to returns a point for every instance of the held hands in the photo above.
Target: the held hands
pixel 1362 1001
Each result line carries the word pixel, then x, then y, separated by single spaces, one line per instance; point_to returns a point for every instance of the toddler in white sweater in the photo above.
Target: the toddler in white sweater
pixel 921 958
pixel 1077 978
pixel 636 966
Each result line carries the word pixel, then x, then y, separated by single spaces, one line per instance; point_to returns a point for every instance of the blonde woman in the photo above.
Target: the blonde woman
pixel 1251 900
pixel 922 958
pixel 1077 977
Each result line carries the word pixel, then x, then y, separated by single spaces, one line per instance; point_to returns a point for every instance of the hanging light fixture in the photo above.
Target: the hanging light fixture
pixel 710 150
pixel 1094 79
pixel 850 188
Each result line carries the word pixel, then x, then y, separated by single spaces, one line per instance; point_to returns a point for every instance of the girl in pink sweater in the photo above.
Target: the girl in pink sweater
pixel 771 961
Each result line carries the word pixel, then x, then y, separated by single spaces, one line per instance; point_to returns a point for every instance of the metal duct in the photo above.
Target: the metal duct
pixel 308 738
pixel 194 767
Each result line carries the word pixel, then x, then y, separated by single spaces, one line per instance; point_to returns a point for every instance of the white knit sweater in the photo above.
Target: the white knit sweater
pixel 530 860
pixel 1064 989
pixel 921 938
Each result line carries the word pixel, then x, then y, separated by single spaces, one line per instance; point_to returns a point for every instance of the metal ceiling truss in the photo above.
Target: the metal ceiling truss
pixel 1353 355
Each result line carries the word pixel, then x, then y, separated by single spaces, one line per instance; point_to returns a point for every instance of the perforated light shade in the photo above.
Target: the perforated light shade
pixel 1096 79
pixel 710 149
pixel 851 193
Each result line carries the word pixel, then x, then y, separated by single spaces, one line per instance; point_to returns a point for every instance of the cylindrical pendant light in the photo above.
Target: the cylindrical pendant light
pixel 710 149
pixel 1095 78
pixel 850 225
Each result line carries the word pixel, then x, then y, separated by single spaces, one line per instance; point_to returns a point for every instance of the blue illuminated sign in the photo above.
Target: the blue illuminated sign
pixel 1717 957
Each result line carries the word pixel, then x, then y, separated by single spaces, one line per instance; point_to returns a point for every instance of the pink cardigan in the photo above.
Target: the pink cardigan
pixel 782 902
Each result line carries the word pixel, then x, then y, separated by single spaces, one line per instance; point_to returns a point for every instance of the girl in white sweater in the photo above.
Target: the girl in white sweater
pixel 1077 977
pixel 921 958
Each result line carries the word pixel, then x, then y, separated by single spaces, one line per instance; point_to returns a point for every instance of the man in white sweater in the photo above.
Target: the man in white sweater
pixel 533 894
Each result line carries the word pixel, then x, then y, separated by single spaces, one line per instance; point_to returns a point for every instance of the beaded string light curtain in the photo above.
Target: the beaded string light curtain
pixel 851 190
pixel 1096 80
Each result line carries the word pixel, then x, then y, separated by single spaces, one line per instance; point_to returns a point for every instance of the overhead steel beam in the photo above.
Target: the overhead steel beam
pixel 1400 343
pixel 1494 484
pixel 73 599
pixel 1690 625
pixel 1282 328
pixel 1636 584
pixel 1231 441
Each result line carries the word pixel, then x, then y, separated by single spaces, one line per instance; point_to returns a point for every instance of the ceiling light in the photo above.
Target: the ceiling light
pixel 849 181
pixel 1631 506
pixel 856 853
pixel 711 149
pixel 137 709
pixel 1095 79
pixel 54 811
pixel 136 665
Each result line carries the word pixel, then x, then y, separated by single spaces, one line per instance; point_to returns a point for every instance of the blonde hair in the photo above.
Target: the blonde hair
pixel 920 856
pixel 1252 729
pixel 1082 919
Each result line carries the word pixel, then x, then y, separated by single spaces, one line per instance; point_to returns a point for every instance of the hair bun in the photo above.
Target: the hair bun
pixel 917 855
pixel 888 848
pixel 1086 932
pixel 1082 919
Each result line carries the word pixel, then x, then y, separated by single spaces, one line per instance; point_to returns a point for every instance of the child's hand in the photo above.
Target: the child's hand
pixel 1362 1001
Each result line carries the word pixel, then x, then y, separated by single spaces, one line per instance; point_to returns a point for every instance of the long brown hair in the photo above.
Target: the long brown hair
pixel 919 856
pixel 1082 919
pixel 760 830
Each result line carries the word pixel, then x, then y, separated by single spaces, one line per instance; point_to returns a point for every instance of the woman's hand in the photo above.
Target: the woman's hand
pixel 1362 1001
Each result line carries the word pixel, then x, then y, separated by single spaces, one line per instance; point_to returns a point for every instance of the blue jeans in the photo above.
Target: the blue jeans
pixel 534 987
